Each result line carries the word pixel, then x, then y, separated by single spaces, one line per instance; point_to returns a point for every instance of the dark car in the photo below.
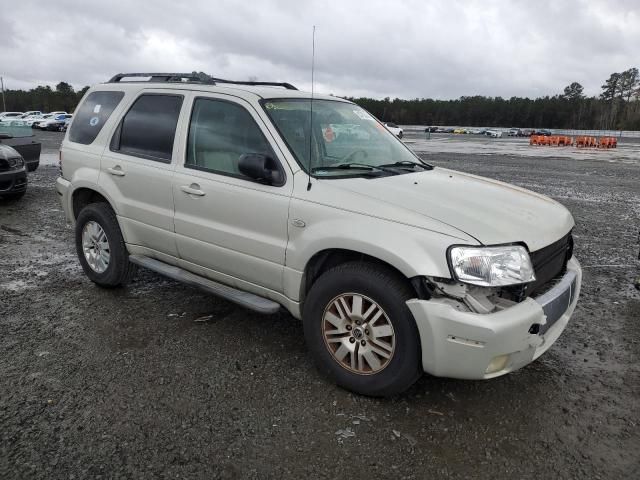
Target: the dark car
pixel 543 131
pixel 431 130
pixel 24 143
pixel 13 175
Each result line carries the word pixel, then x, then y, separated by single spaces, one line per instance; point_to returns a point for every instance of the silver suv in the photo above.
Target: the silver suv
pixel 261 194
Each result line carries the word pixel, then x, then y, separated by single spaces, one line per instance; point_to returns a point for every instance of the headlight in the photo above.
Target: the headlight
pixel 492 266
pixel 16 162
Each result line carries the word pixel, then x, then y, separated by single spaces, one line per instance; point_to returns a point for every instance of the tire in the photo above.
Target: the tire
pixel 375 285
pixel 118 269
pixel 400 135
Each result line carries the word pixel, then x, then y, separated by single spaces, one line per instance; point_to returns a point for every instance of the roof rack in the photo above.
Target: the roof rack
pixel 163 77
pixel 286 85
pixel 193 77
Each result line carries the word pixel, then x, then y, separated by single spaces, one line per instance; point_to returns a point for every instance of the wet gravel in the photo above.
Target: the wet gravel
pixel 161 380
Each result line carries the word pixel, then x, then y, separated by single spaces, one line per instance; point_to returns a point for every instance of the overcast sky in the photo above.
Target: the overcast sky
pixel 395 48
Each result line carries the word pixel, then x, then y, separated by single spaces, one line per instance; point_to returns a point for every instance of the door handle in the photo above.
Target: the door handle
pixel 117 171
pixel 193 189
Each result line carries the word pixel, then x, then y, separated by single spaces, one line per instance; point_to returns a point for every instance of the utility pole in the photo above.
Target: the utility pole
pixel 4 105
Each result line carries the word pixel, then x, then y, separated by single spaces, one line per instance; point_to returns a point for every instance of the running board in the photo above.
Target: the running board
pixel 244 299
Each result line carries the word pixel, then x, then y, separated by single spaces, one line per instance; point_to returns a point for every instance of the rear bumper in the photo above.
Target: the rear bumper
pixel 14 181
pixel 461 344
pixel 63 188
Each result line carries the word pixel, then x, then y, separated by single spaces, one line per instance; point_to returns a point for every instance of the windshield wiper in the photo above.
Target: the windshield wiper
pixel 352 165
pixel 407 163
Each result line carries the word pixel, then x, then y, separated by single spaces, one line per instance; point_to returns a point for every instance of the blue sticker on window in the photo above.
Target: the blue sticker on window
pixel 94 121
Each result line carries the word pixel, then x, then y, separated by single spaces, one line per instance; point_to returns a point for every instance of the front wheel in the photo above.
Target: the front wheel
pixel 360 331
pixel 100 246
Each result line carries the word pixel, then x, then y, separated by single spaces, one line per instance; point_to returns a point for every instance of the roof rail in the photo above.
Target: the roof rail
pixel 164 77
pixel 288 86
pixel 194 77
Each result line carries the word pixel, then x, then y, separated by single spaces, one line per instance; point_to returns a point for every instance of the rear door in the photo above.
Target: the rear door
pixel 225 221
pixel 137 168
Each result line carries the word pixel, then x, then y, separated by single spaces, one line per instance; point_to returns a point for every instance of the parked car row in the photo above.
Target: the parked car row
pixel 54 121
pixel 491 132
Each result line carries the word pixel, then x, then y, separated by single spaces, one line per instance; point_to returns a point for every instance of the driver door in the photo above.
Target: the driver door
pixel 228 226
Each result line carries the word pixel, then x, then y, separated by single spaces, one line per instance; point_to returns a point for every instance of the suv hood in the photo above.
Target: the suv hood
pixel 490 211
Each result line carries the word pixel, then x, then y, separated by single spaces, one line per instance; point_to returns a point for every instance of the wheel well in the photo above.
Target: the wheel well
pixel 83 197
pixel 328 259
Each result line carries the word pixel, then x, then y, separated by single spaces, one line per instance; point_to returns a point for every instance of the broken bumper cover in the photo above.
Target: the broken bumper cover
pixel 467 345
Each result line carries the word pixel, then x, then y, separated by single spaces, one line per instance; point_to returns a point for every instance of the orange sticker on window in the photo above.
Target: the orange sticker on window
pixel 329 135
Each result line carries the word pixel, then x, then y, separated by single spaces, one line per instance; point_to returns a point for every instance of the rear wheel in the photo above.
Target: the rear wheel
pixel 360 330
pixel 100 246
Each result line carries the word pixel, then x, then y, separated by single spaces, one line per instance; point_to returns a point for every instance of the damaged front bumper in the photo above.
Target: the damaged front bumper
pixel 458 343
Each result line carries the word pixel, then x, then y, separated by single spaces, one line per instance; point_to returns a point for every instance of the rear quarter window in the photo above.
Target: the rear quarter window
pixel 92 115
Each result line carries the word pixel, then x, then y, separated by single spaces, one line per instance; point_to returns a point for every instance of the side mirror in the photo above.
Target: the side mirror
pixel 262 168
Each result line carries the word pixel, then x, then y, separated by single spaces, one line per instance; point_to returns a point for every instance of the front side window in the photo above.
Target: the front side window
pixel 149 127
pixel 220 132
pixel 343 135
pixel 92 115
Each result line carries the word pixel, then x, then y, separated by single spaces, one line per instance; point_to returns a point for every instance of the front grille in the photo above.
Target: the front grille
pixel 549 263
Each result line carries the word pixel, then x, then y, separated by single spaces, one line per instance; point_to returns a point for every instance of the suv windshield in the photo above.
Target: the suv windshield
pixel 346 139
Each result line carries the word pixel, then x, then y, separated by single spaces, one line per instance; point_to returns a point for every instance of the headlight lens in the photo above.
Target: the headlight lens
pixel 492 266
pixel 16 162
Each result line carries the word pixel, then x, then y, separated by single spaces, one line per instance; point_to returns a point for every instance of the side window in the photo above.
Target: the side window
pixel 149 127
pixel 219 133
pixel 92 115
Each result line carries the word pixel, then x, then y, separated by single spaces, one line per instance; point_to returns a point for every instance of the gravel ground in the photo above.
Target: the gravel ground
pixel 134 383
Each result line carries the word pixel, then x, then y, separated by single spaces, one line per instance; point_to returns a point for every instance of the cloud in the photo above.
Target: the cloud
pixel 440 49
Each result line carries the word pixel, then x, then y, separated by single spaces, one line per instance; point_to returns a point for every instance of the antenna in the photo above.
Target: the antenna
pixel 313 64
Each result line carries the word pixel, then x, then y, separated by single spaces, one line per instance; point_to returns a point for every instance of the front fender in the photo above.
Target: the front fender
pixel 411 250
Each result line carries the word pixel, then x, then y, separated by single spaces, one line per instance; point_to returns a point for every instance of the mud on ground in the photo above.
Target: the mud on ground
pixel 134 383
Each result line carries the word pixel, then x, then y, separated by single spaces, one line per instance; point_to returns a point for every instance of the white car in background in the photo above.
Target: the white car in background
pixel 55 122
pixel 395 129
pixel 493 133
pixel 31 113
pixel 34 122
pixel 8 118
pixel 8 115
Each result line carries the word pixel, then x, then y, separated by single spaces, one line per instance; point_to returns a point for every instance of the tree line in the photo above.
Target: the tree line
pixel 617 106
pixel 44 98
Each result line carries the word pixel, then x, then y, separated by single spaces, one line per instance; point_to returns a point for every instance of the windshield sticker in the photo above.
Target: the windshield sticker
pixel 94 121
pixel 96 109
pixel 328 134
pixel 362 115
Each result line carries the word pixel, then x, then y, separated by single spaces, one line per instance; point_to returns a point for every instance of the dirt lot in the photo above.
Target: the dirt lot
pixel 128 383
